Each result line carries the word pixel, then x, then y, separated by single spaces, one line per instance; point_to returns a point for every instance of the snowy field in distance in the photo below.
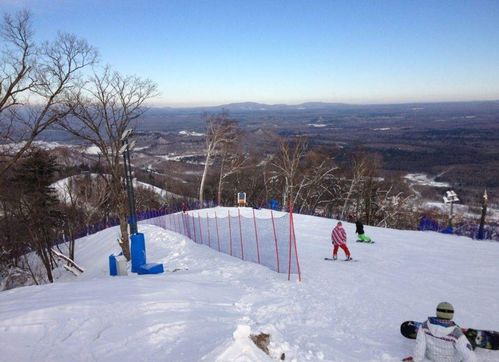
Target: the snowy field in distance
pixel 421 179
pixel 61 187
pixel 204 311
pixel 464 210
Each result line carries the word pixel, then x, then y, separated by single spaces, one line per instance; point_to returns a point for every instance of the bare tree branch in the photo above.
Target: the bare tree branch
pixel 100 113
pixel 34 83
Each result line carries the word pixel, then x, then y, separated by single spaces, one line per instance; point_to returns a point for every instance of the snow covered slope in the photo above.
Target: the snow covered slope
pixel 206 304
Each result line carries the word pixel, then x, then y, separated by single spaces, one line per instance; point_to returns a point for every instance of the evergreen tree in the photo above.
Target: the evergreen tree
pixel 37 205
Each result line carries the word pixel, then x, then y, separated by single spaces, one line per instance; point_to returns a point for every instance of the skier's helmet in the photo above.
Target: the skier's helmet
pixel 445 311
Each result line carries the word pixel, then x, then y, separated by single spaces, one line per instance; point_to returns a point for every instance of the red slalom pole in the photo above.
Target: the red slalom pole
pixel 290 237
pixel 275 239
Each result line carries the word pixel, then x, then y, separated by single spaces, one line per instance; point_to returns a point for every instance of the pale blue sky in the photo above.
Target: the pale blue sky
pixel 214 52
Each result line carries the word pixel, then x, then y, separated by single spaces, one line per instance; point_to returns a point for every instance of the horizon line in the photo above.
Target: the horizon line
pixel 218 105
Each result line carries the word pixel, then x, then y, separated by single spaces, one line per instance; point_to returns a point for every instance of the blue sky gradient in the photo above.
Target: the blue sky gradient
pixel 214 52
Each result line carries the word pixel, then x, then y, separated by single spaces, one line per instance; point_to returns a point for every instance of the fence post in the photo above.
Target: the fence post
pixel 218 236
pixel 186 228
pixel 208 227
pixel 230 233
pixel 183 221
pixel 256 237
pixel 200 229
pixel 240 233
pixel 194 229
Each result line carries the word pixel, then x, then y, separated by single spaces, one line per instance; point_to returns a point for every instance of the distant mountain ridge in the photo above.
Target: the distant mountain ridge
pixel 259 107
pixel 248 106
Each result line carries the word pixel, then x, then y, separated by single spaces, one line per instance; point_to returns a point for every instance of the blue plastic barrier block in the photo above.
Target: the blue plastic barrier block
pixel 151 268
pixel 138 251
pixel 448 230
pixel 113 265
pixel 113 270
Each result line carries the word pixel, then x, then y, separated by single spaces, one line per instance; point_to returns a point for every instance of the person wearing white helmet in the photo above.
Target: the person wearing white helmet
pixel 440 339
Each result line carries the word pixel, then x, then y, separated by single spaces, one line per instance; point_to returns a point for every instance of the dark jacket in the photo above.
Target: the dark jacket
pixel 359 228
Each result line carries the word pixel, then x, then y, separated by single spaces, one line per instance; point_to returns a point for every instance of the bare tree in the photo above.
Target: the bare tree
pixel 376 200
pixel 231 162
pixel 359 169
pixel 72 214
pixel 287 165
pixel 94 198
pixel 101 112
pixel 220 130
pixel 317 180
pixel 148 199
pixel 394 210
pixel 34 82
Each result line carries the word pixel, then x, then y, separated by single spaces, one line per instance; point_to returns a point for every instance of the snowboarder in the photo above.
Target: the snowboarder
pixel 359 229
pixel 339 239
pixel 440 339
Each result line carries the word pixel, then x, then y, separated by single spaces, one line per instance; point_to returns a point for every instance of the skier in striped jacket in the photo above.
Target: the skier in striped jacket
pixel 339 239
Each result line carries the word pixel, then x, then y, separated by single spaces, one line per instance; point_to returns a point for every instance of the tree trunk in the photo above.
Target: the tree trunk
pixel 26 262
pixel 124 241
pixel 45 257
pixel 285 197
pixel 203 179
pixel 120 203
pixel 481 228
pixel 71 251
pixel 352 185
pixel 220 182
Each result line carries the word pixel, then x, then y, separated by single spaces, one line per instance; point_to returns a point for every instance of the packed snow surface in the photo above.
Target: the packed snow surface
pixel 206 304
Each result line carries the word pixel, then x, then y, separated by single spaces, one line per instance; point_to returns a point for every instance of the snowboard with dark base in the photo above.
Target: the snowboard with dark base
pixel 365 242
pixel 477 337
pixel 331 259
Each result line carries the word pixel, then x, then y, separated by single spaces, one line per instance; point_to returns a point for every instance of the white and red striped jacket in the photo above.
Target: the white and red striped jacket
pixel 338 235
